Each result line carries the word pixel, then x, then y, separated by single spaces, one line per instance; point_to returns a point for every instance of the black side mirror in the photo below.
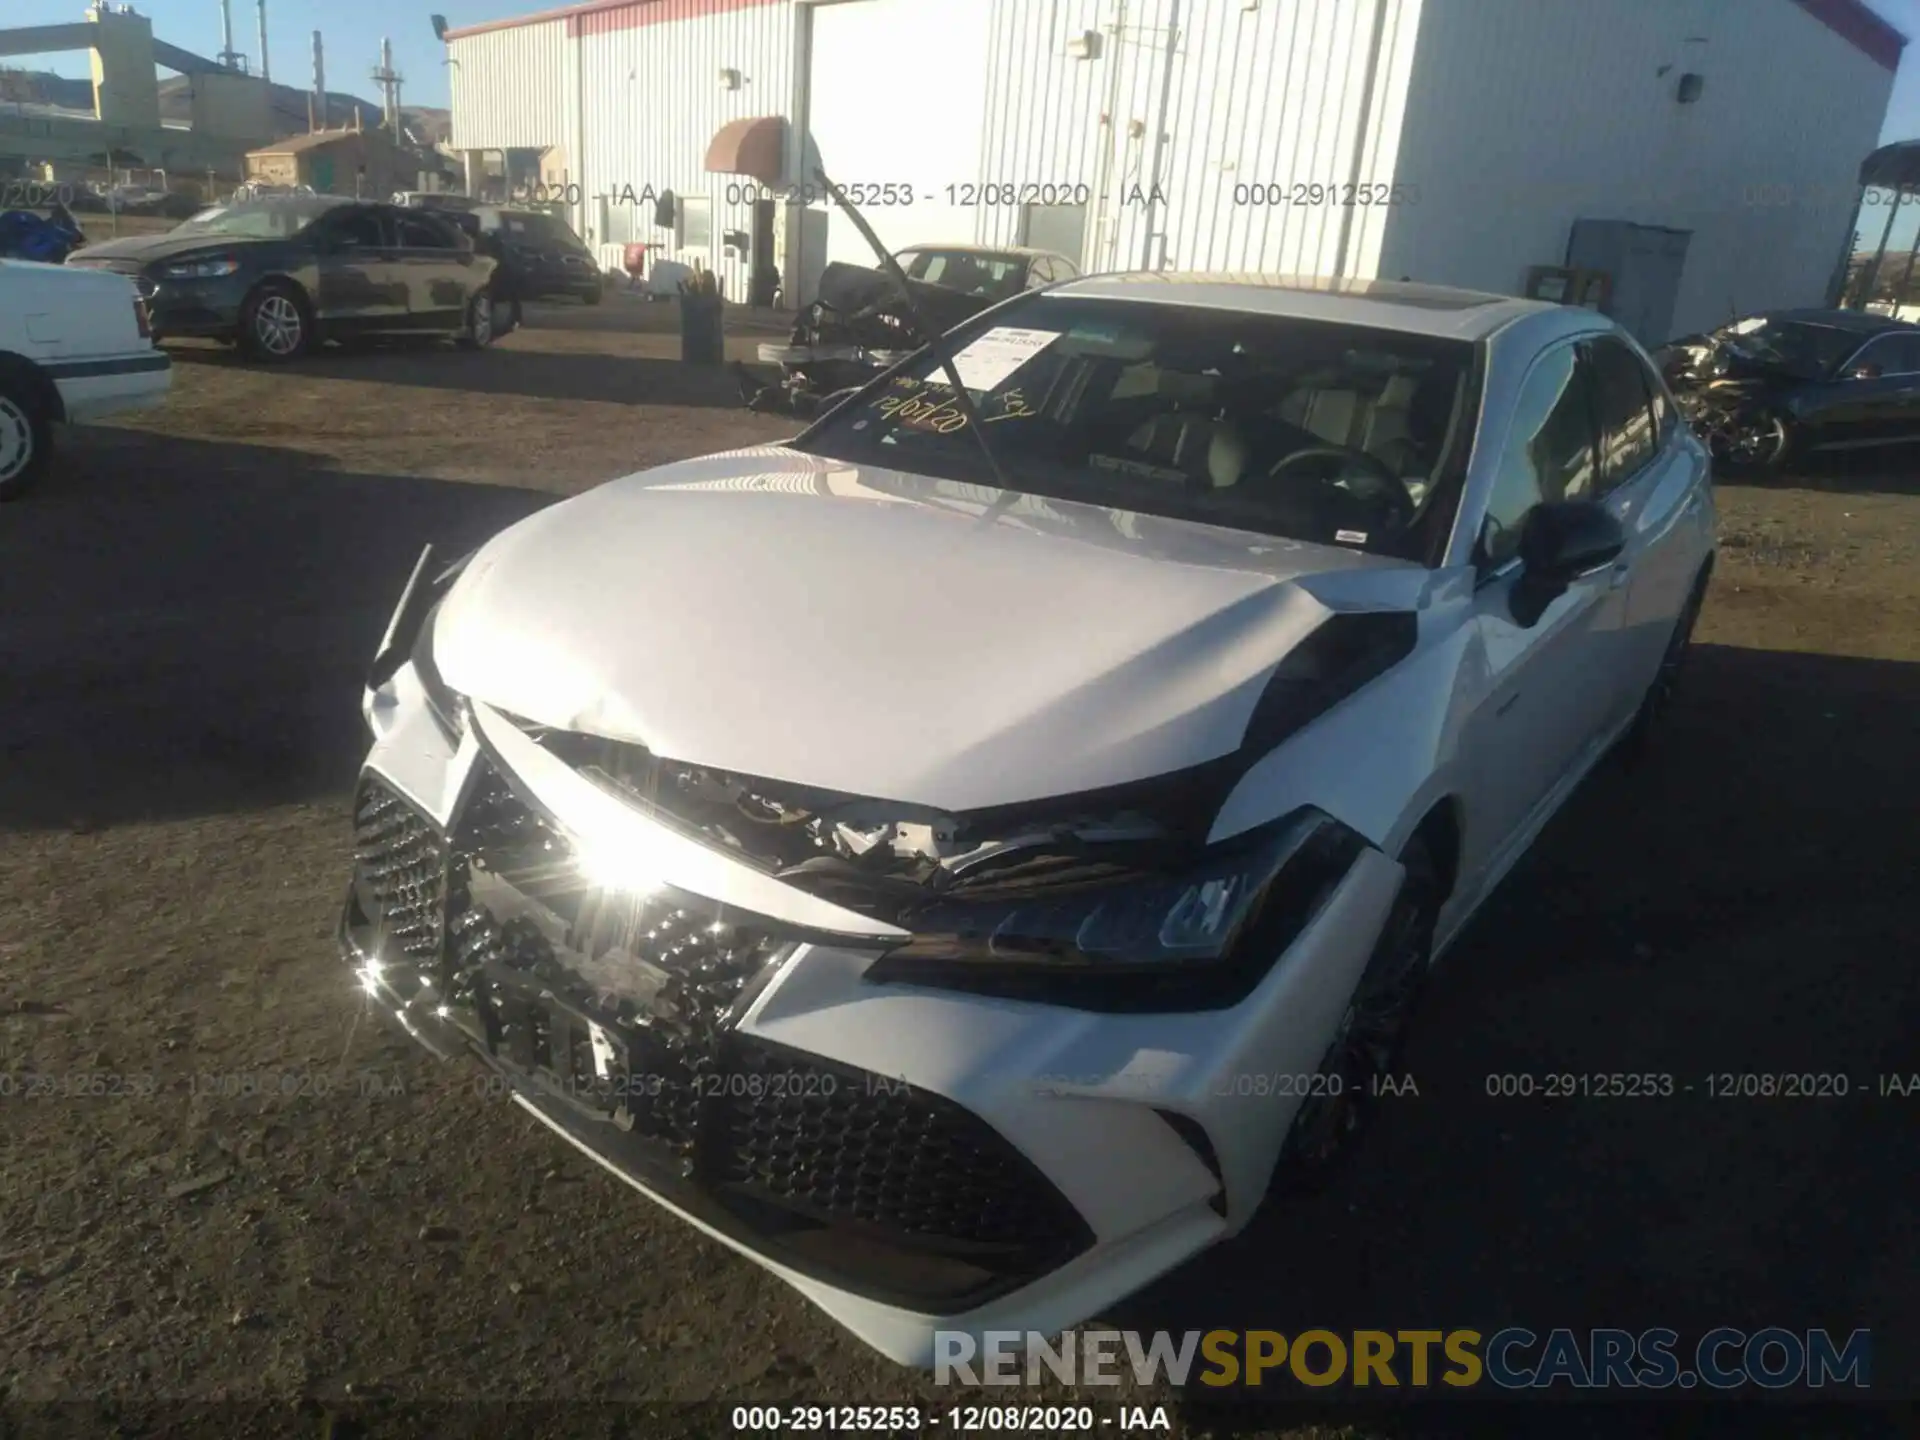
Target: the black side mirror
pixel 1560 542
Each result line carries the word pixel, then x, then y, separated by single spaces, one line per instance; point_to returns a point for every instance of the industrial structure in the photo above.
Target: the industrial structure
pixel 208 123
pixel 230 109
pixel 1471 142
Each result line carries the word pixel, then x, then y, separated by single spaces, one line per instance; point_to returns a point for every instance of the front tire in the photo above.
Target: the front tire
pixel 26 435
pixel 591 297
pixel 1371 1038
pixel 1752 439
pixel 276 324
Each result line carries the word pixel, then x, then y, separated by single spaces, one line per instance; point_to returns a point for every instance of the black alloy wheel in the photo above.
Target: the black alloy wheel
pixel 1363 1059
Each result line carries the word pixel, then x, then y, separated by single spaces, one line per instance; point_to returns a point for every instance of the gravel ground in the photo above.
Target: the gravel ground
pixel 185 611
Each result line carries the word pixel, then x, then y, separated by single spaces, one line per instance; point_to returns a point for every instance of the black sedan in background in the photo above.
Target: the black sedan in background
pixel 1780 386
pixel 539 255
pixel 282 274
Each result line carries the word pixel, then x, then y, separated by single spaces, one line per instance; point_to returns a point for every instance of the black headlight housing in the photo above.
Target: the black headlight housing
pixel 1109 927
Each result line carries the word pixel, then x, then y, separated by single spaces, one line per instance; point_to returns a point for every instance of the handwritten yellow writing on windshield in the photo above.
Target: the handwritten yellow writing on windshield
pixel 943 414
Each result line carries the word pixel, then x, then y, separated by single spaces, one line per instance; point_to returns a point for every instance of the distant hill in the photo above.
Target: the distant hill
pixel 38 87
pixel 288 104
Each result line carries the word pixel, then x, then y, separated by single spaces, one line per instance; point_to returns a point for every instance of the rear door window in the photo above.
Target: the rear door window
pixel 419 232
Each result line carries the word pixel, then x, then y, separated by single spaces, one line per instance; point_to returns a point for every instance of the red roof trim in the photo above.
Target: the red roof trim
pixel 1852 20
pixel 603 17
pixel 1860 27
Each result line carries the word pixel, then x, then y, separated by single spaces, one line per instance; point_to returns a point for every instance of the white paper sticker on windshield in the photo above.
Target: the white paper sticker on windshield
pixel 998 353
pixel 1350 537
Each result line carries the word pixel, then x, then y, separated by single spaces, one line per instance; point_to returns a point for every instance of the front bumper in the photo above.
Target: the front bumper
pixel 207 309
pixel 911 1160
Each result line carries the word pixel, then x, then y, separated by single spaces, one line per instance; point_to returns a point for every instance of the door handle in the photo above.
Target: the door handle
pixel 1620 574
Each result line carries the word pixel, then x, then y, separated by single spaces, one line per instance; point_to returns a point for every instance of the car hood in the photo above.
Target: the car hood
pixel 149 248
pixel 863 630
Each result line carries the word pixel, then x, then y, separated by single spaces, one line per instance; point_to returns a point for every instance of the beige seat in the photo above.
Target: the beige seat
pixel 1389 435
pixel 1334 415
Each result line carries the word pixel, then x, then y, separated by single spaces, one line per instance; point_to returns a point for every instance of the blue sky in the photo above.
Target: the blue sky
pixel 352 31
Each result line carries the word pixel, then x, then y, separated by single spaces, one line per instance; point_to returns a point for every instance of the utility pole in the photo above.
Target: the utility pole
pixel 388 79
pixel 264 75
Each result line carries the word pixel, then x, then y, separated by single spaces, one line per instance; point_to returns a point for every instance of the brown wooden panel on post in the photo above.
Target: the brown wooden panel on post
pixel 755 147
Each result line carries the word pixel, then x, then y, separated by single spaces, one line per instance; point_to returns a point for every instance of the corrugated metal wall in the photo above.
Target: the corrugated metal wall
pixel 1270 97
pixel 1524 116
pixel 1507 118
pixel 651 99
pixel 510 87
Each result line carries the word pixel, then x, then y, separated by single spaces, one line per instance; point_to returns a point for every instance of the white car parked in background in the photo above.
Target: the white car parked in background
pixel 962 877
pixel 74 347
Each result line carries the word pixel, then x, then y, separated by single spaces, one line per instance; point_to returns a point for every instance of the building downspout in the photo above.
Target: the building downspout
pixel 1160 137
pixel 1361 138
pixel 1105 236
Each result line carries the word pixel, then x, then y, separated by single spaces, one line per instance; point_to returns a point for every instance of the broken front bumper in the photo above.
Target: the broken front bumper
pixel 912 1160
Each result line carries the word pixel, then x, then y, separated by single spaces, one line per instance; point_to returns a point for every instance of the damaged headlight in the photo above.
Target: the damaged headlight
pixel 1126 936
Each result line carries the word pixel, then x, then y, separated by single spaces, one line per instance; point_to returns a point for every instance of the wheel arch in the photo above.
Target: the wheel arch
pixel 286 280
pixel 28 371
pixel 1440 830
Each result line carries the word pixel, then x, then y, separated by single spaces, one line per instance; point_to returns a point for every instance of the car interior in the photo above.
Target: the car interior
pixel 1317 438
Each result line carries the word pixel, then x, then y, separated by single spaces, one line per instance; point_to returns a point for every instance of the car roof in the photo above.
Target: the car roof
pixel 1438 310
pixel 1864 322
pixel 1020 252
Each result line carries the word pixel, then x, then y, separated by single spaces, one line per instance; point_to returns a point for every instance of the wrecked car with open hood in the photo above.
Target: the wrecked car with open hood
pixel 964 857
pixel 1771 389
pixel 861 321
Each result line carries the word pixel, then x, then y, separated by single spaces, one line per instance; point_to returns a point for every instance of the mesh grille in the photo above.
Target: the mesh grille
pixel 846 1144
pixel 672 1036
pixel 748 1123
pixel 399 869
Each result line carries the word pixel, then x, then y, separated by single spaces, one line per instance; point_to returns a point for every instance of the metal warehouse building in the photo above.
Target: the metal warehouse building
pixel 1701 153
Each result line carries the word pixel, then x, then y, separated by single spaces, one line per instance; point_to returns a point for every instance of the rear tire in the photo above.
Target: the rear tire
pixel 1371 1037
pixel 477 333
pixel 276 324
pixel 26 434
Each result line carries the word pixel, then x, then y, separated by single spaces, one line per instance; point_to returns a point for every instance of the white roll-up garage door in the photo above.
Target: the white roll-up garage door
pixel 896 95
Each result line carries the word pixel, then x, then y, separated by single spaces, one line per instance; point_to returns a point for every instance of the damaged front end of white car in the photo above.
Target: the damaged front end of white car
pixel 975 1058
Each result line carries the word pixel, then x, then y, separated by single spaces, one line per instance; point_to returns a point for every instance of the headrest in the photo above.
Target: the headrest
pixel 1399 391
pixel 1227 456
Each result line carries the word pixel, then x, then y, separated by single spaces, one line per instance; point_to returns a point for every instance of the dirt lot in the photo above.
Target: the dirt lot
pixel 185 612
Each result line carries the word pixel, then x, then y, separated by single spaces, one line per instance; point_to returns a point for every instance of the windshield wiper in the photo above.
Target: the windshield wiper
pixel 891 268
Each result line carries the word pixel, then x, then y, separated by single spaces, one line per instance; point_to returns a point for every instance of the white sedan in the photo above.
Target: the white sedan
pixel 964 857
pixel 75 347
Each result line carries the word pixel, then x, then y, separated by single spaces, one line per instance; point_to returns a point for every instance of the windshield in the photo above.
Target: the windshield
pixel 997 277
pixel 1799 347
pixel 274 219
pixel 1305 429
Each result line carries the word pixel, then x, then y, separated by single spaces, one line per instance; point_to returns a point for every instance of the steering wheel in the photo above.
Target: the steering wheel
pixel 1374 483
